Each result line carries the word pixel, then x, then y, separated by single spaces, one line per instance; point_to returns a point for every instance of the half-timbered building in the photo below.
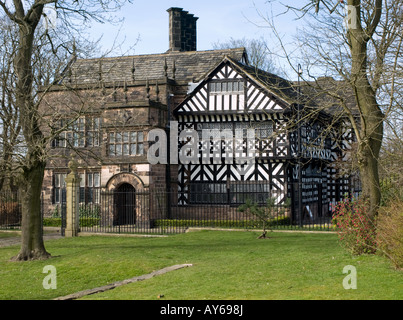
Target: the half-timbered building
pixel 293 150
pixel 104 109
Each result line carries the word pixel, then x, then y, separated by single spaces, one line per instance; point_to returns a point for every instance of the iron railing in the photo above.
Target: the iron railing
pixel 10 210
pixel 162 211
pixel 159 211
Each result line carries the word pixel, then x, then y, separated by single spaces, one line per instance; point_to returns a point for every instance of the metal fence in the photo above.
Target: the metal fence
pixel 159 212
pixel 10 210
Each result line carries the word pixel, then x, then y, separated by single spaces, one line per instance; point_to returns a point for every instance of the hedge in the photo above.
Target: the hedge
pixel 57 222
pixel 249 224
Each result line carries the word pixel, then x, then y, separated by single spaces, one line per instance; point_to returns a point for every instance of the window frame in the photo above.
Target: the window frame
pixel 59 187
pixel 90 187
pixel 232 194
pixel 227 86
pixel 121 143
pixel 83 132
pixel 208 193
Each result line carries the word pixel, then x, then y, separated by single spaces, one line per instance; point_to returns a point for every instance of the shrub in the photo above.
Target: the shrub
pixel 89 222
pixel 57 222
pixel 89 211
pixel 390 232
pixel 52 222
pixel 356 231
pixel 391 190
pixel 250 224
pixel 265 215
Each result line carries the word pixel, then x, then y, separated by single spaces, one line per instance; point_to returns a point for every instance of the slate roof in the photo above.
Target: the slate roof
pixel 313 95
pixel 190 66
pixel 323 94
pixel 194 66
pixel 279 86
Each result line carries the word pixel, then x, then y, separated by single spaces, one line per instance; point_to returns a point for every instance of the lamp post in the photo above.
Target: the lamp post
pixel 299 152
pixel 168 165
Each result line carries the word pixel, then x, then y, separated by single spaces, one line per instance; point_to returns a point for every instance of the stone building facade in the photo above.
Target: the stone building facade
pixel 102 111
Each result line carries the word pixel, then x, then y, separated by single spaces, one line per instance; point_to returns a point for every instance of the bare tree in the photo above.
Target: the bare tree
pixel 27 17
pixel 357 42
pixel 259 55
pixel 48 58
pixel 10 128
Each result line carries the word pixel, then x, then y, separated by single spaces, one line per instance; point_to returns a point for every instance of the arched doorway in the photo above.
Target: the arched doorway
pixel 125 205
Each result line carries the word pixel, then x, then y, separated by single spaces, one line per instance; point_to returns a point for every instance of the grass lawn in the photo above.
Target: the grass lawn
pixel 226 265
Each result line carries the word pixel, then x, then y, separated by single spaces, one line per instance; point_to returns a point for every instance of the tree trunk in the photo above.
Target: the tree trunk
pixel 370 133
pixel 370 183
pixel 32 245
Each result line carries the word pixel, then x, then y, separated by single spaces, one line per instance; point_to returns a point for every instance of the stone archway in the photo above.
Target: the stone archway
pixel 118 179
pixel 126 201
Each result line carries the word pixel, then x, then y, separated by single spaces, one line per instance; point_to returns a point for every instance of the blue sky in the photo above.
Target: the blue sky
pixel 219 20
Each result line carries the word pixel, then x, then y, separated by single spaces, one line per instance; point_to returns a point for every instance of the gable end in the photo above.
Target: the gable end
pixel 227 89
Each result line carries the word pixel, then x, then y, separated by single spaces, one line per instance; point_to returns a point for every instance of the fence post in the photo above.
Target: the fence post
pixel 72 201
pixel 143 207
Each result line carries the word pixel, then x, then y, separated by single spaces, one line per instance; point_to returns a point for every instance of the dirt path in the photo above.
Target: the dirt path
pixel 11 241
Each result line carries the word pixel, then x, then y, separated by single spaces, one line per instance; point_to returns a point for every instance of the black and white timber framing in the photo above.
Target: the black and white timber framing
pixel 232 96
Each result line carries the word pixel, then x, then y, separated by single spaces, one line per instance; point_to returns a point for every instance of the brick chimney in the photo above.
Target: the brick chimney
pixel 182 30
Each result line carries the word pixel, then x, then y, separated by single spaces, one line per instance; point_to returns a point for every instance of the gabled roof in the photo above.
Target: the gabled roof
pixel 326 93
pixel 189 66
pixel 280 87
pixel 318 96
pixel 265 92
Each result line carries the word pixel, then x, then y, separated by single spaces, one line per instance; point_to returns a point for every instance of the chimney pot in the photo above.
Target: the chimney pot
pixel 182 30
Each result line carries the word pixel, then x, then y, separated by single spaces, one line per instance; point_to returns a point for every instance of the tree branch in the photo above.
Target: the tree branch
pixel 375 18
pixel 9 14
